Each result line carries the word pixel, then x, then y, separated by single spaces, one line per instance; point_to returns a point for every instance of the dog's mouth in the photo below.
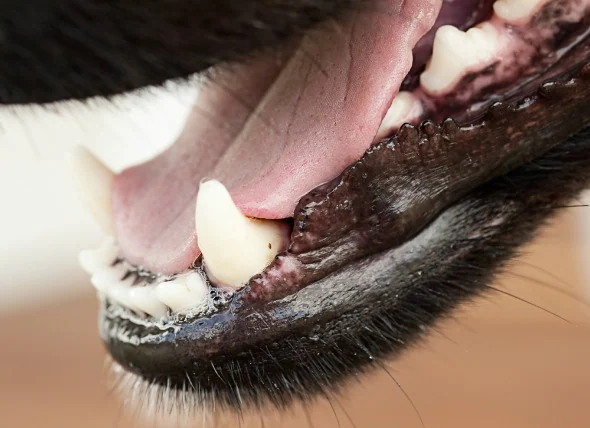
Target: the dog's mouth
pixel 305 177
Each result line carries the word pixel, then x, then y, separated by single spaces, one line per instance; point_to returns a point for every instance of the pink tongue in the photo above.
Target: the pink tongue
pixel 271 130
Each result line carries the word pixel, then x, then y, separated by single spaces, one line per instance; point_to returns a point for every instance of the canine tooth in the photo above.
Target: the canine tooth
pixel 94 185
pixel 145 299
pixel 455 53
pixel 93 261
pixel 105 278
pixel 234 246
pixel 404 108
pixel 516 11
pixel 178 297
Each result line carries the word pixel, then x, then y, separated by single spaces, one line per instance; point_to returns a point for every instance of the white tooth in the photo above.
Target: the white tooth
pixel 145 299
pixel 456 53
pixel 93 261
pixel 517 11
pixel 94 185
pixel 178 297
pixel 197 285
pixel 234 247
pixel 120 293
pixel 105 278
pixel 405 108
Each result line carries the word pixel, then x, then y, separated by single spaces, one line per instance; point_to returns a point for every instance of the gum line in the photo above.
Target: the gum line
pixel 494 54
pixel 160 297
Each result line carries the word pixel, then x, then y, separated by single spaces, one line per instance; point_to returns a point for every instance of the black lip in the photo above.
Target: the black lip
pixel 464 196
pixel 375 307
pixel 402 184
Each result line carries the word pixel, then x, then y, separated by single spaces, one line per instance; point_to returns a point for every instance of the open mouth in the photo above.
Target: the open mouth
pixel 278 246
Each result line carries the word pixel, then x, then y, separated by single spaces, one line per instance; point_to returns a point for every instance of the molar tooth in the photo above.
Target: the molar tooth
pixel 455 53
pixel 517 11
pixel 146 300
pixel 93 261
pixel 234 247
pixel 178 297
pixel 94 182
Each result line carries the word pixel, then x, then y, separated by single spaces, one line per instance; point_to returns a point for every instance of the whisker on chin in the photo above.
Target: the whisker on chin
pixel 546 272
pixel 520 299
pixel 327 397
pixel 343 408
pixel 262 424
pixel 307 414
pixel 573 206
pixel 403 391
pixel 550 286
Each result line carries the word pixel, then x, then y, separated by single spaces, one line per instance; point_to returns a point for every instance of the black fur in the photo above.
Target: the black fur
pixel 64 49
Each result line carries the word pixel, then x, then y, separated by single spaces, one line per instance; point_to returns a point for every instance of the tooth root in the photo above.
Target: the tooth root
pixel 93 261
pixel 178 297
pixel 517 11
pixel 456 53
pixel 234 247
pixel 94 185
pixel 405 108
pixel 146 300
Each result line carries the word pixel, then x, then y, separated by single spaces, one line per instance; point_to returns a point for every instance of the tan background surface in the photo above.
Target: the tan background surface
pixel 501 363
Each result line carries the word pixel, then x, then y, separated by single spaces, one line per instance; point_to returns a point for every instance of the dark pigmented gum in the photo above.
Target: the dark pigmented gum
pixel 339 326
pixel 508 80
pixel 401 184
pixel 358 281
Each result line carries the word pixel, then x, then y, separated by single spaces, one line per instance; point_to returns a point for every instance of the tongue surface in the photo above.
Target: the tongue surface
pixel 271 130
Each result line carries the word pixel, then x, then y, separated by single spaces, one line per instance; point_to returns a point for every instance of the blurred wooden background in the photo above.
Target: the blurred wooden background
pixel 500 363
